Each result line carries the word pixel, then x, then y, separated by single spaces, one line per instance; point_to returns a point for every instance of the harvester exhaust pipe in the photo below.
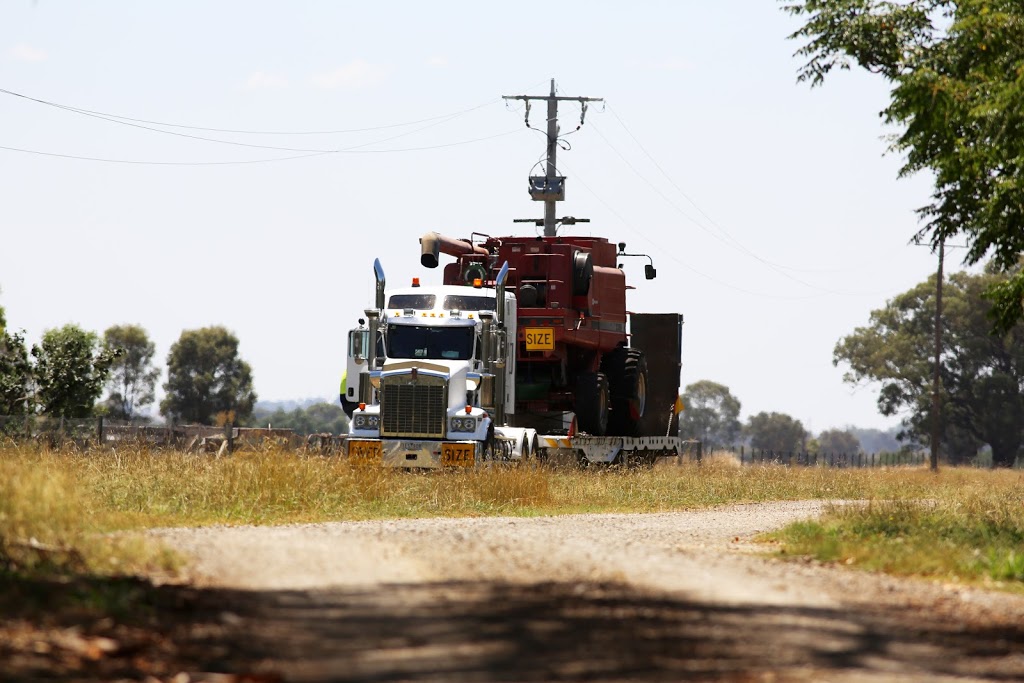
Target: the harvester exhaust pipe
pixel 432 245
pixel 378 273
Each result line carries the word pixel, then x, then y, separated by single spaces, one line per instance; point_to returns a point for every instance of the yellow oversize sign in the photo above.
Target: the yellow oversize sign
pixel 458 454
pixel 540 338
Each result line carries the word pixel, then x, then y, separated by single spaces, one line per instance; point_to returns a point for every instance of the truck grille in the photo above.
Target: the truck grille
pixel 416 409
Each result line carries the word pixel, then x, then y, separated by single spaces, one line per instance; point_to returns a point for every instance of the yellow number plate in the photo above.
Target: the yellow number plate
pixel 540 338
pixel 458 454
pixel 365 452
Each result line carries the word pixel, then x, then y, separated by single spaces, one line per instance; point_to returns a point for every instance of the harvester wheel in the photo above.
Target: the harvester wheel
pixel 626 369
pixel 592 401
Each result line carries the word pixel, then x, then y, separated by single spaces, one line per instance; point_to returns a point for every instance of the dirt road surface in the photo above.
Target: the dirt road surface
pixel 679 596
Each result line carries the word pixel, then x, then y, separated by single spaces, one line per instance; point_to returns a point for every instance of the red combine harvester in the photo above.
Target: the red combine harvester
pixel 572 347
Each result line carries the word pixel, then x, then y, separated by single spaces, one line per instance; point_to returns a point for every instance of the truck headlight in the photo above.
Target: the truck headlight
pixel 462 424
pixel 366 422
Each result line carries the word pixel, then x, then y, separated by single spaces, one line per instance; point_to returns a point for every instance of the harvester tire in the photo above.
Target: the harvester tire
pixel 592 403
pixel 626 369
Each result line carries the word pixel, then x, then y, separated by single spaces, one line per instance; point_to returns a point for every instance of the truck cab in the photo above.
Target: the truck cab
pixel 428 388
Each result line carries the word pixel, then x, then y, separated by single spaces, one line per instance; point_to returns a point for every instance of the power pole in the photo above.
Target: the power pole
pixel 550 188
pixel 937 378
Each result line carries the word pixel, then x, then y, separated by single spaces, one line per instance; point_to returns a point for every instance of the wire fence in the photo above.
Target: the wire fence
pixel 826 459
pixel 100 432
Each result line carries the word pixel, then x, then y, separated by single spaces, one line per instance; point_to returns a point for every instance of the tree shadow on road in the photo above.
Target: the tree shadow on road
pixel 483 631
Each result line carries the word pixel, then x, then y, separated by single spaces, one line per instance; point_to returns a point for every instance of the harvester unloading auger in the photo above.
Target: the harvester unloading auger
pixel 525 349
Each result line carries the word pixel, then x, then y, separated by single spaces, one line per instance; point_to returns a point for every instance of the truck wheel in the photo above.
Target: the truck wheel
pixel 592 400
pixel 627 378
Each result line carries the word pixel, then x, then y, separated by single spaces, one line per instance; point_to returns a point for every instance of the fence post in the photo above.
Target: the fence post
pixel 700 451
pixel 99 430
pixel 229 433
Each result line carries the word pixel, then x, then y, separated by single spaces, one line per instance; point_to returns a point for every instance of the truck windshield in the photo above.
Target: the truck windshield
pixel 465 302
pixel 413 341
pixel 421 302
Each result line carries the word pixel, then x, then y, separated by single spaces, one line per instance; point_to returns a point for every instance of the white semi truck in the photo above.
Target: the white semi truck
pixel 432 377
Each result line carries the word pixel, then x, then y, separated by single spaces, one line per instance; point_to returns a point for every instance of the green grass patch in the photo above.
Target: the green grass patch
pixel 971 532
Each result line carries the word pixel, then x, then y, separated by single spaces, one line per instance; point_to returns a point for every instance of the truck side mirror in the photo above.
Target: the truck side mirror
pixel 649 272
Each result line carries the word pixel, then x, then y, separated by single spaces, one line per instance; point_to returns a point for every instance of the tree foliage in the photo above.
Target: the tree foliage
pixel 982 374
pixel 957 75
pixel 775 432
pixel 206 377
pixel 15 375
pixel 315 419
pixel 711 414
pixel 133 377
pixel 70 371
pixel 838 441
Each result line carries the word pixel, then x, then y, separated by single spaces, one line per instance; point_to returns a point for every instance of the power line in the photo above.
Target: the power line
pixel 688 198
pixel 159 163
pixel 732 241
pixel 670 253
pixel 108 116
pixel 104 117
pixel 259 161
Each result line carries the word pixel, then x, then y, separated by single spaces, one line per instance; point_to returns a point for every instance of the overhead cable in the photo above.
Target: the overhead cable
pixel 108 116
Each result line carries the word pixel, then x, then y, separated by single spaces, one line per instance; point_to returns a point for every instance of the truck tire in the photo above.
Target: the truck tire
pixel 626 369
pixel 592 403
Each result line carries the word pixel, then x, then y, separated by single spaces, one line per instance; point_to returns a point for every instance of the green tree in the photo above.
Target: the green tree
pixel 70 371
pixel 957 93
pixel 775 432
pixel 15 372
pixel 315 419
pixel 710 414
pixel 206 377
pixel 982 373
pixel 15 375
pixel 132 375
pixel 838 441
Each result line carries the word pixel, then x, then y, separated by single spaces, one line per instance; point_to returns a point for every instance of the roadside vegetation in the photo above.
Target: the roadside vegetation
pixel 57 507
pixel 971 533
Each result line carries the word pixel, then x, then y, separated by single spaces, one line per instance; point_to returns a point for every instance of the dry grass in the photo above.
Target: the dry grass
pixel 65 500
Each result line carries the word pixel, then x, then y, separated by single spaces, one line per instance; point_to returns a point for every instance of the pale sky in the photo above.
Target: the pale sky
pixel 774 217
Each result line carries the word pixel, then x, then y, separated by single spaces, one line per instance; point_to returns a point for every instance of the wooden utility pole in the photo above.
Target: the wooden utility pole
pixel 550 188
pixel 937 379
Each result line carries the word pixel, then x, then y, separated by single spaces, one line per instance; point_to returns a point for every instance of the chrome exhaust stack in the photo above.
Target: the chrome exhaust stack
pixel 500 347
pixel 378 273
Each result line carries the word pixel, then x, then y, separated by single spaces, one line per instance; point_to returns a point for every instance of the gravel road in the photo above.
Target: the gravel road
pixel 671 596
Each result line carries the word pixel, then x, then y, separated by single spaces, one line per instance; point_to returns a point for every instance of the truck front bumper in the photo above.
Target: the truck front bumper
pixel 425 454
